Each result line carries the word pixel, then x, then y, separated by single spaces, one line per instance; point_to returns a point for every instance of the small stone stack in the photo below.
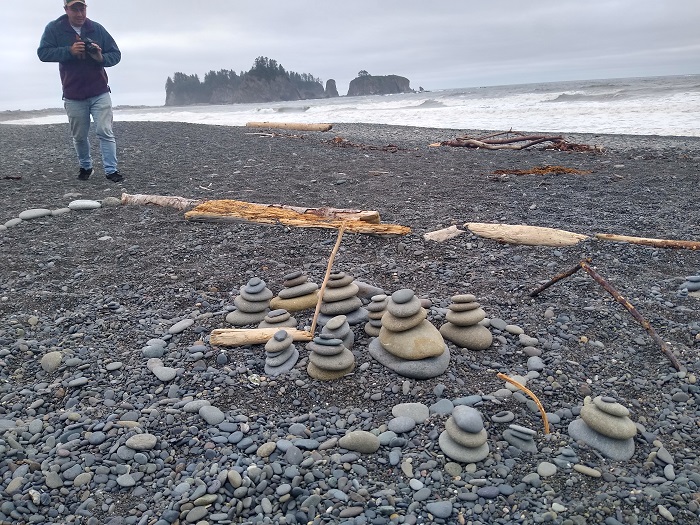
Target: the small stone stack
pixel 376 310
pixel 280 354
pixel 408 343
pixel 464 437
pixel 339 328
pixel 279 318
pixel 328 358
pixel 520 437
pixel 252 304
pixel 462 326
pixel 605 426
pixel 298 293
pixel 340 298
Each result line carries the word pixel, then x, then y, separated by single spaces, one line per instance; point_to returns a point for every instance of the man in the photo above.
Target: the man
pixel 83 49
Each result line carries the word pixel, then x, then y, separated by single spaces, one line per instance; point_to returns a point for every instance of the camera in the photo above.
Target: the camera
pixel 90 45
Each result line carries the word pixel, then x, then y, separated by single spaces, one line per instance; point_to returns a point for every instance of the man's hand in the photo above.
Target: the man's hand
pixel 96 52
pixel 78 49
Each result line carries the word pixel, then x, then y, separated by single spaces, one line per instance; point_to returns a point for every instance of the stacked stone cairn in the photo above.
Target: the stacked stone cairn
pixel 280 354
pixel 253 304
pixel 462 326
pixel 298 293
pixel 464 437
pixel 604 425
pixel 521 437
pixel 328 358
pixel 340 298
pixel 339 328
pixel 279 318
pixel 408 343
pixel 376 309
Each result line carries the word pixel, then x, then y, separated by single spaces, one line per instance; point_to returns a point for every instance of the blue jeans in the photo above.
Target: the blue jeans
pixel 79 111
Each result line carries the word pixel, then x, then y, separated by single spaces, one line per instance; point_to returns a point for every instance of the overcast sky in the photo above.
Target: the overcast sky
pixel 434 44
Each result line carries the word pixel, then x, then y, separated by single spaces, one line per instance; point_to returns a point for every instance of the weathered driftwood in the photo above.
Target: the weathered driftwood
pixel 657 243
pixel 542 170
pixel 529 392
pixel 181 203
pixel 355 221
pixel 444 234
pixel 524 234
pixel 585 265
pixel 329 267
pixel 517 141
pixel 291 125
pixel 252 336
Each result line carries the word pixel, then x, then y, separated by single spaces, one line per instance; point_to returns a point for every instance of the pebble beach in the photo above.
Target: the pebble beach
pixel 116 408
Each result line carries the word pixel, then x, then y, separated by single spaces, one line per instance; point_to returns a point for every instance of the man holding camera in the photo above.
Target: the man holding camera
pixel 83 49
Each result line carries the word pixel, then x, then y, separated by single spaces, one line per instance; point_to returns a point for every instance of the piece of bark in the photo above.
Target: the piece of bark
pixel 253 336
pixel 524 234
pixel 181 203
pixel 291 125
pixel 657 243
pixel 444 234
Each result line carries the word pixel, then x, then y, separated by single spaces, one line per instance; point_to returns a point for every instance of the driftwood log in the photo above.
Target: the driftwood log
pixel 657 243
pixel 291 125
pixel 253 336
pixel 355 221
pixel 586 266
pixel 517 141
pixel 523 234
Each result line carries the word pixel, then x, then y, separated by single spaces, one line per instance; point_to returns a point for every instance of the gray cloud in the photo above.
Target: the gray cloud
pixel 456 44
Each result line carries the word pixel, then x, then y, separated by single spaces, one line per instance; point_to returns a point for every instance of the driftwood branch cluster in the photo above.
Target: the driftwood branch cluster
pixel 515 140
pixel 542 170
pixel 586 266
pixel 340 142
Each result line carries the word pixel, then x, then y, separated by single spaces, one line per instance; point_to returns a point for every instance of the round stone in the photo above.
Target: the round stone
pixel 609 405
pixel 360 441
pixel 336 322
pixel 403 296
pixel 468 419
pixel 401 424
pixel 142 442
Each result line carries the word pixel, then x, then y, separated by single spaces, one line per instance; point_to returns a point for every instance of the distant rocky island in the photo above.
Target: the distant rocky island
pixel 268 81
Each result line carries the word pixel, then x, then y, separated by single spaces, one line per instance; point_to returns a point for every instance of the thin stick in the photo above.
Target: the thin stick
pixel 585 265
pixel 555 279
pixel 325 279
pixel 533 396
pixel 632 310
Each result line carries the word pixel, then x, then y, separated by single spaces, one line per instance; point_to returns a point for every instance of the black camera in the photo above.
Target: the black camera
pixel 90 45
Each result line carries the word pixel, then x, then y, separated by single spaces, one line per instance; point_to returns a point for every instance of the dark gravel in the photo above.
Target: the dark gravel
pixel 98 285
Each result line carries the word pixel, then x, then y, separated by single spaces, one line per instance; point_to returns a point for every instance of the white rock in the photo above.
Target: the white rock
pixel 84 204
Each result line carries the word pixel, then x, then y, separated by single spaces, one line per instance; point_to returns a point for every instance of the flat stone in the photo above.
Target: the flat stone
pixel 279 358
pixel 296 304
pixel 468 318
pixel 464 298
pixel 459 453
pixel 423 341
pixel 475 337
pixel 84 204
pixel 344 306
pixel 611 406
pixel 328 375
pixel 360 441
pixel 468 419
pixel 465 439
pixel 164 373
pixel 180 326
pixel 414 369
pixel 142 442
pixel 334 363
pixel 240 318
pixel 211 414
pixel 401 424
pixel 617 449
pixel 51 361
pixel 416 411
pixel 401 324
pixel 611 426
pixel 331 295
pixel 407 309
pixel 34 213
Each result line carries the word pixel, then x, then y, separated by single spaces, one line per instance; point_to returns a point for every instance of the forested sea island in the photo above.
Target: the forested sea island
pixel 269 81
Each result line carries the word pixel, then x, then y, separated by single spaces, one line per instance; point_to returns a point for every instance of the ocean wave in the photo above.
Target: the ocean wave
pixel 430 103
pixel 582 97
pixel 291 109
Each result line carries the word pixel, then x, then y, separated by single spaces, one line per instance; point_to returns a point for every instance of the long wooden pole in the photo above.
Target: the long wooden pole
pixel 325 278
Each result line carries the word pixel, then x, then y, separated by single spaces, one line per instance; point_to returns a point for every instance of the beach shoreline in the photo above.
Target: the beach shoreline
pixel 93 288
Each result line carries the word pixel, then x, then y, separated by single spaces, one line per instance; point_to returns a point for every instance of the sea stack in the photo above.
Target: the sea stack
pixel 462 327
pixel 605 426
pixel 298 293
pixel 253 304
pixel 340 298
pixel 280 354
pixel 408 343
pixel 328 358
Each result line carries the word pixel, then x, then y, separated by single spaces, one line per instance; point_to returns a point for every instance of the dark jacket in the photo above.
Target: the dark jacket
pixel 81 78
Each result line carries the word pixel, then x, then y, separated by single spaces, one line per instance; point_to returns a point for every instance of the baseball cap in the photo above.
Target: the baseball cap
pixel 68 3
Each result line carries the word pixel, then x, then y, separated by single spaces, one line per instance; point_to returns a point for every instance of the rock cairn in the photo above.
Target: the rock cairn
pixel 376 309
pixel 339 328
pixel 279 318
pixel 328 358
pixel 340 298
pixel 462 326
pixel 605 426
pixel 408 343
pixel 464 437
pixel 298 293
pixel 691 283
pixel 253 303
pixel 521 437
pixel 280 354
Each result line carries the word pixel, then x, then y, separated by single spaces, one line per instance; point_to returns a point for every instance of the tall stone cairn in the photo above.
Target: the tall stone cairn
pixel 376 309
pixel 328 358
pixel 252 304
pixel 340 298
pixel 462 326
pixel 298 294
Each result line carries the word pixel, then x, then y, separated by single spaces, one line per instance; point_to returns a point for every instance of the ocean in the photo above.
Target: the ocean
pixel 668 105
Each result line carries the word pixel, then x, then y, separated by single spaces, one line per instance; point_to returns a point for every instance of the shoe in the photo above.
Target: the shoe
pixel 115 177
pixel 84 174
